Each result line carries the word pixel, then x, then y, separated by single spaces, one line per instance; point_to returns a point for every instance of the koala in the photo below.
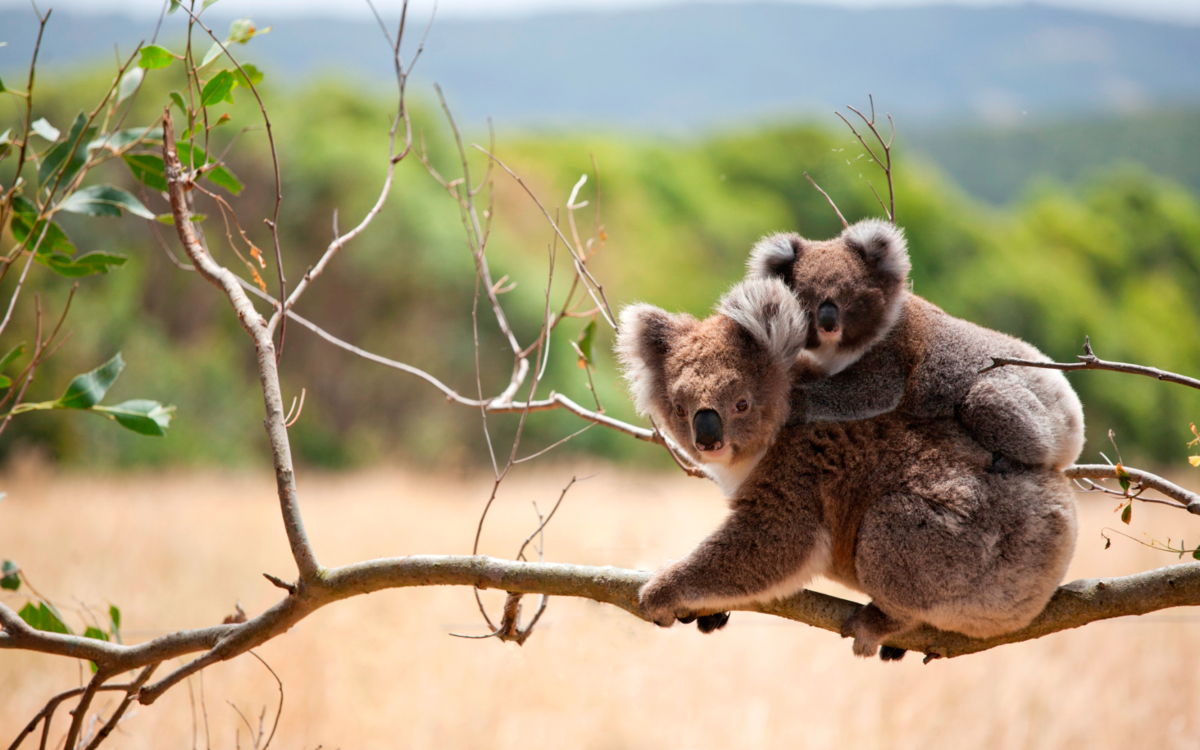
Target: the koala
pixel 873 347
pixel 903 509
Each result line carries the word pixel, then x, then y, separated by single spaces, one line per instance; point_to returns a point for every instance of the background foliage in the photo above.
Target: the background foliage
pixel 1115 256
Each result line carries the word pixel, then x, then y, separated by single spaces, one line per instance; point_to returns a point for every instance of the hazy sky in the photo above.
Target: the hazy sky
pixel 1186 11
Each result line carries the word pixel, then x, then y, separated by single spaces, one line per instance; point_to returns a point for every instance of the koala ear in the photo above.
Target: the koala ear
pixel 773 257
pixel 881 245
pixel 645 339
pixel 766 309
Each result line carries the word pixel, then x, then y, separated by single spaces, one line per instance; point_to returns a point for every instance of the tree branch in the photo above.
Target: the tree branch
pixel 256 326
pixel 1089 361
pixel 1189 501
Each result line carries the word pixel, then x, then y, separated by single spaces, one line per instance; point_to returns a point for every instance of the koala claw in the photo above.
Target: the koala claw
pixel 891 653
pixel 712 623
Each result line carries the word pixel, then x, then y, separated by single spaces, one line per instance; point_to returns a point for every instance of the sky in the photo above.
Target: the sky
pixel 1177 11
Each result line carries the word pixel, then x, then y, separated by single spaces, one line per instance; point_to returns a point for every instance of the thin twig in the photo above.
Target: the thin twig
pixel 845 224
pixel 1089 361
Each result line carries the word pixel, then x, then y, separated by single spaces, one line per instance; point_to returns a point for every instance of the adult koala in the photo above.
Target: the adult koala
pixel 902 509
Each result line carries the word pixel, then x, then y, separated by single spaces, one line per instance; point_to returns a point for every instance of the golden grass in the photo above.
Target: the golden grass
pixel 178 550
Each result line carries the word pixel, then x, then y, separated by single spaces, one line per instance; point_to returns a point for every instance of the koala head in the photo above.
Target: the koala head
pixel 719 387
pixel 851 288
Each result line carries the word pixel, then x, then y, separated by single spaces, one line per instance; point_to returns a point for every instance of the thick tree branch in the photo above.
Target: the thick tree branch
pixel 255 325
pixel 1074 605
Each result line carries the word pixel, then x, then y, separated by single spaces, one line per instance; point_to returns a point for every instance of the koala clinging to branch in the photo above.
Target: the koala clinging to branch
pixel 903 509
pixel 873 347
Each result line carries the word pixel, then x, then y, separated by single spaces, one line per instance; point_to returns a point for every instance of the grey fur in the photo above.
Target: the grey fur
pixel 769 313
pixel 909 355
pixel 901 508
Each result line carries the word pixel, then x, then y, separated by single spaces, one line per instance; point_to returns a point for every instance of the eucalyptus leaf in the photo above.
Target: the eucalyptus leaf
pixel 24 230
pixel 43 618
pixel 86 390
pixel 43 128
pixel 85 265
pixel 218 89
pixel 68 156
pixel 5 140
pixel 154 57
pixel 174 7
pixel 140 415
pixel 13 355
pixel 243 30
pixel 114 615
pixel 213 53
pixel 5 382
pixel 147 169
pixel 249 71
pixel 123 139
pixel 195 158
pixel 2 89
pixel 129 83
pixel 9 580
pixel 177 98
pixel 95 632
pixel 104 200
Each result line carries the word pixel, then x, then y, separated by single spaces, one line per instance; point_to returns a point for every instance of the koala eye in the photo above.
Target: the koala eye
pixel 742 405
pixel 680 410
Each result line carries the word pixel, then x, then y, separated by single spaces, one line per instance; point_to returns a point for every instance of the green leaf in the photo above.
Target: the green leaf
pixel 248 71
pixel 69 156
pixel 207 3
pixel 218 89
pixel 95 632
pixel 5 382
pixel 1196 554
pixel 114 615
pixel 86 390
pixel 123 139
pixel 104 200
pixel 147 169
pixel 178 99
pixel 213 53
pixel 43 128
pixel 43 618
pixel 243 30
pixel 174 7
pixel 23 229
pixel 154 57
pixel 10 581
pixel 5 140
pixel 170 218
pixel 586 340
pixel 85 265
pixel 1123 477
pixel 2 89
pixel 1127 514
pixel 129 83
pixel 194 157
pixel 13 355
pixel 141 415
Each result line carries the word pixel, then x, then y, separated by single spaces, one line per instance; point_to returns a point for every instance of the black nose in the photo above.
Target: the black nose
pixel 827 317
pixel 707 426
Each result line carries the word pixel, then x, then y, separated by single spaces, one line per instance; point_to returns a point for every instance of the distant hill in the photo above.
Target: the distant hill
pixel 997 163
pixel 699 66
pixel 995 96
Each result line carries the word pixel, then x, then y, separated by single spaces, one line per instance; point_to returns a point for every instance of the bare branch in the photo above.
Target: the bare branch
pixel 1089 361
pixel 845 224
pixel 1185 499
pixel 256 326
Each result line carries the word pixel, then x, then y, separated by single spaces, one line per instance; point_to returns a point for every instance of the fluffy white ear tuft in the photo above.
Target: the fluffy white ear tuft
pixel 642 345
pixel 773 257
pixel 766 309
pixel 882 245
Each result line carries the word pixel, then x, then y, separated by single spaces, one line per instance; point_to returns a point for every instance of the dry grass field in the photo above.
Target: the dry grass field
pixel 381 671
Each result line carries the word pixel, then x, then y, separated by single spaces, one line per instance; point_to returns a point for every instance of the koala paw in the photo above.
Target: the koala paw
pixel 658 600
pixel 869 626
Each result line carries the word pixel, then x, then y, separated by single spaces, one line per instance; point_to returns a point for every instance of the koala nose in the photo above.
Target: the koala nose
pixel 707 426
pixel 827 317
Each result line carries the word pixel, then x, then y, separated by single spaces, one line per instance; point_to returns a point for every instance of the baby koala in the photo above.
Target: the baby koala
pixel 900 508
pixel 873 347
